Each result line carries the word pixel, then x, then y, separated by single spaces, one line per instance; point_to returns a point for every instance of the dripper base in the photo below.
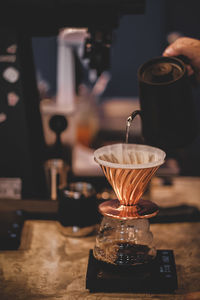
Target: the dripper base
pixel 143 209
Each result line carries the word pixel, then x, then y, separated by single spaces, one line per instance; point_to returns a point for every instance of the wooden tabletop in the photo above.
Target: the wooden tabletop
pixel 51 266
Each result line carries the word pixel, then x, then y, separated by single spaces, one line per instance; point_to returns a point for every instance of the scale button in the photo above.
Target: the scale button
pixel 168 275
pixel 161 269
pixel 167 268
pixel 165 259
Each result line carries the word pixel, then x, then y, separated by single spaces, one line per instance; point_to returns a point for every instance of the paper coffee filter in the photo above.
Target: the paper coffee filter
pixel 129 156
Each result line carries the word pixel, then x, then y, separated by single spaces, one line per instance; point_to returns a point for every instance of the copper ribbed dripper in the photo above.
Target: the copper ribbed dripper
pixel 129 168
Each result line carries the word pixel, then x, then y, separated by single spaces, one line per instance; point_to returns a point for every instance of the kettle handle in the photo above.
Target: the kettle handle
pixel 186 61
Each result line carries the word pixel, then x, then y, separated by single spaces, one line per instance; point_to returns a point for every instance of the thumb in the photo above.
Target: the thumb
pixel 171 51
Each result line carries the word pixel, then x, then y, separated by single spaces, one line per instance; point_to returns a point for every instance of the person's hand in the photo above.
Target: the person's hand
pixel 190 48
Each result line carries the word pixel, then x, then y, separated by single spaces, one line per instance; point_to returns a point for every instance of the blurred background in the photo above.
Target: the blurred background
pixel 137 39
pixel 54 105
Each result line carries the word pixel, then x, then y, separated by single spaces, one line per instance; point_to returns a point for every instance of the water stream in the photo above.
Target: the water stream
pixel 128 125
pixel 129 121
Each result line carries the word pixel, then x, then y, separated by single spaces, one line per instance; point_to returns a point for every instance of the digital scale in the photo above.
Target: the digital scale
pixel 159 276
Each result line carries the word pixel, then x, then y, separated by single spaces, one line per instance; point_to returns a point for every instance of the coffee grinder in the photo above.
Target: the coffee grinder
pixel 124 258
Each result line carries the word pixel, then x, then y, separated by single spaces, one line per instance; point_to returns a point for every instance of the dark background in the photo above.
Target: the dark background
pixel 138 39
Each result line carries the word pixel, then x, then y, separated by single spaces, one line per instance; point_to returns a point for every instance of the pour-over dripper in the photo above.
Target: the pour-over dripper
pixel 129 168
pixel 124 238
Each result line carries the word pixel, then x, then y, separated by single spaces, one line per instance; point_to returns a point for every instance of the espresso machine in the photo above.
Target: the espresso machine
pixel 23 148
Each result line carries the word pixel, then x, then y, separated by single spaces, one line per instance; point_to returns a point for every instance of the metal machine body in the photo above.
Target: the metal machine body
pixel 22 150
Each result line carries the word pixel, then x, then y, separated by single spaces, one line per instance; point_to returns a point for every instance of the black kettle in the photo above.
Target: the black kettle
pixel 167 105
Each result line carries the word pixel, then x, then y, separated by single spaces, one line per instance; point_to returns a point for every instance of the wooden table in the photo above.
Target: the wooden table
pixel 51 266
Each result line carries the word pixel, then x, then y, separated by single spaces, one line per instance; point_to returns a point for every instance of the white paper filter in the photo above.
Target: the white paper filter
pixel 129 156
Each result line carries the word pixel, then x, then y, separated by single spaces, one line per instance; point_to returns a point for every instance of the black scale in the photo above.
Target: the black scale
pixel 11 225
pixel 159 276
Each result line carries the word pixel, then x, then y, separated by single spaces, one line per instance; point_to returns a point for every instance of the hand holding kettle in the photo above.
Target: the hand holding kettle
pixel 189 48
